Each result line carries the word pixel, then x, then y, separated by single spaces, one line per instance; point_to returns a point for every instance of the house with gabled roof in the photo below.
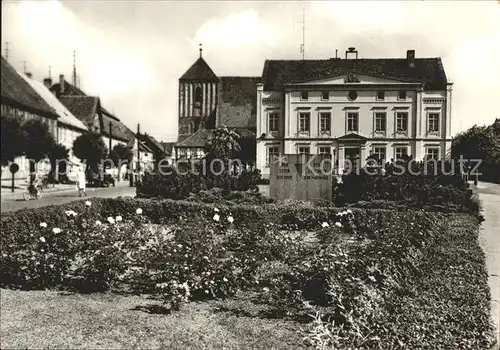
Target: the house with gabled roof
pixel 352 108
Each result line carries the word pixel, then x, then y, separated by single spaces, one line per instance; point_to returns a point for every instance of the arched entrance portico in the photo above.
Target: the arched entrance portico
pixel 351 152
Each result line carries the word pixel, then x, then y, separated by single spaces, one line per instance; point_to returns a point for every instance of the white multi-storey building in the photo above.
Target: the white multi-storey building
pixel 351 108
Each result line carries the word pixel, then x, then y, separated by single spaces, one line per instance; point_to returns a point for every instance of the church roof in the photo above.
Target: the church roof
pixel 200 71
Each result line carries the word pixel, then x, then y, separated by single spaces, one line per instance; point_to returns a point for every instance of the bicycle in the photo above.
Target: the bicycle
pixel 33 192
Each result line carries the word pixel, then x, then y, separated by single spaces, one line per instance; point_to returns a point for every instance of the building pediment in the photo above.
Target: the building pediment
pixel 352 138
pixel 355 78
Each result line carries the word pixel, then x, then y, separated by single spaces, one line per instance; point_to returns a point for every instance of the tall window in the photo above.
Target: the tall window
pixel 304 95
pixel 304 150
pixel 304 122
pixel 325 150
pixel 198 95
pixel 272 154
pixel 402 122
pixel 433 122
pixel 380 122
pixel 273 121
pixel 379 152
pixel 380 95
pixel 432 153
pixel 402 95
pixel 325 121
pixel 325 95
pixel 401 152
pixel 352 122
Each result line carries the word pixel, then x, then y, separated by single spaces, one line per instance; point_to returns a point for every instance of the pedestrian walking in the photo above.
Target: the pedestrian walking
pixel 81 183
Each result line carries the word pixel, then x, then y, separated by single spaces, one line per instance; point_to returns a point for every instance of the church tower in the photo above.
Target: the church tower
pixel 198 89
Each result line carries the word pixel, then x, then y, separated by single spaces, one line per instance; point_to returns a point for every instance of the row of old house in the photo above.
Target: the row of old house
pixel 69 112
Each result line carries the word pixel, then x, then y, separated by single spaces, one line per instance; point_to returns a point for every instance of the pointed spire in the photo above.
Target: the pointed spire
pixel 74 68
pixel 201 50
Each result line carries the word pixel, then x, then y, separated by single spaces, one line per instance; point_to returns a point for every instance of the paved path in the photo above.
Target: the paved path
pixel 490 242
pixel 15 201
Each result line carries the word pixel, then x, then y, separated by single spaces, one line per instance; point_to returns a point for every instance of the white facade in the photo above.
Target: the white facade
pixel 375 115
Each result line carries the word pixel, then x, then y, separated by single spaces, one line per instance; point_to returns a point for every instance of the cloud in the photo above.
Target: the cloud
pixel 244 28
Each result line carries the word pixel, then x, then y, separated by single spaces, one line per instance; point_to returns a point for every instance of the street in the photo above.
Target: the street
pixel 60 197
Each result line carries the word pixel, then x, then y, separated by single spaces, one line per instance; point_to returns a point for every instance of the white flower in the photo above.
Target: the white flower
pixel 225 279
pixel 216 210
pixel 118 218
pixel 70 213
pixel 230 219
pixel 325 224
pixel 138 211
pixel 265 289
pixel 88 204
pixel 98 222
pixel 338 224
pixel 56 230
pixel 373 279
pixel 111 220
pixel 216 217
pixel 205 257
pixel 206 291
pixel 349 211
pixel 43 224
pixel 42 239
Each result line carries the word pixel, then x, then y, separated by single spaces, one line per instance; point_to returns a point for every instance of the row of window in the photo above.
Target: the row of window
pixel 380 122
pixel 352 95
pixel 190 153
pixel 273 152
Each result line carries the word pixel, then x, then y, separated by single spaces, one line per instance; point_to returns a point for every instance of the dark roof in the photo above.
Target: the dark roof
pixel 168 147
pixel 16 91
pixel 238 102
pixel 198 139
pixel 69 90
pixel 118 129
pixel 200 71
pixel 245 133
pixel 151 142
pixel 82 107
pixel 430 71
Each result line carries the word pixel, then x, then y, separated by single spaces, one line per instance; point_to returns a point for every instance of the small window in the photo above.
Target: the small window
pixel 402 122
pixel 325 121
pixel 402 95
pixel 273 121
pixel 353 95
pixel 352 122
pixel 432 153
pixel 379 152
pixel 380 122
pixel 401 152
pixel 433 122
pixel 304 95
pixel 304 150
pixel 380 95
pixel 304 122
pixel 272 155
pixel 326 150
pixel 325 95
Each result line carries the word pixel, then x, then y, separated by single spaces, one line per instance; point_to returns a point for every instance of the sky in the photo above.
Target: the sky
pixel 132 53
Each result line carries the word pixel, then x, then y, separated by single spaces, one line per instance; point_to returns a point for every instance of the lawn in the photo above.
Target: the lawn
pixel 51 319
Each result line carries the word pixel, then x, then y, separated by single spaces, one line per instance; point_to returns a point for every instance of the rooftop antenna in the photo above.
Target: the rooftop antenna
pixel 7 50
pixel 24 66
pixel 74 68
pixel 201 50
pixel 303 45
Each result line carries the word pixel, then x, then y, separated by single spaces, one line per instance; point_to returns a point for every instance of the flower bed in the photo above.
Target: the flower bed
pixel 363 273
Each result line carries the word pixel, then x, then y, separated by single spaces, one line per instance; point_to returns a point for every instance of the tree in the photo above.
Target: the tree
pixel 58 157
pixel 13 140
pixel 90 149
pixel 39 141
pixel 121 154
pixel 221 147
pixel 478 142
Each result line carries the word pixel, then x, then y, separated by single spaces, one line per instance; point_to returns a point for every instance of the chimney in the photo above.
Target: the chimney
pixel 350 52
pixel 47 82
pixel 29 75
pixel 61 83
pixel 410 55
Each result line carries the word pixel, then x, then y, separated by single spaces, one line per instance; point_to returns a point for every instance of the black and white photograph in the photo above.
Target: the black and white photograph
pixel 235 174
